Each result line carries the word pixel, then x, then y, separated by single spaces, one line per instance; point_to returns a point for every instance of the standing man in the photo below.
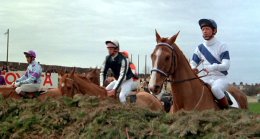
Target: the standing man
pixel 31 80
pixel 214 56
pixel 119 66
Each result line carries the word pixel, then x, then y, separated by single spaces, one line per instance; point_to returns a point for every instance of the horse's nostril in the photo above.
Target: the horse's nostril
pixel 154 88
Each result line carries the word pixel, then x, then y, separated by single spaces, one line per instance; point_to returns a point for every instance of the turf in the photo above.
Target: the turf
pixel 89 117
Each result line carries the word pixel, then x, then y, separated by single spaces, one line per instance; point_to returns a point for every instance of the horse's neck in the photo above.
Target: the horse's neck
pixel 87 86
pixel 96 81
pixel 187 94
pixel 7 92
pixel 183 72
pixel 6 89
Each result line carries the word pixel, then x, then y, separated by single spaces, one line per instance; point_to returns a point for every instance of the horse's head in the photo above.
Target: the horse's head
pixel 68 85
pixel 93 76
pixel 164 62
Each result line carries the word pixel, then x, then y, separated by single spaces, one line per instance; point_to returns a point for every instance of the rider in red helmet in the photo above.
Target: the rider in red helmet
pixel 214 56
pixel 31 80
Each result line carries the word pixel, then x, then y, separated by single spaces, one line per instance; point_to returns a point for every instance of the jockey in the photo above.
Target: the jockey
pixel 214 56
pixel 119 66
pixel 133 69
pixel 31 80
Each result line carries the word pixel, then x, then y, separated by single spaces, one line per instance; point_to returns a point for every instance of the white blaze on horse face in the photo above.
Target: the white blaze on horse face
pixel 152 81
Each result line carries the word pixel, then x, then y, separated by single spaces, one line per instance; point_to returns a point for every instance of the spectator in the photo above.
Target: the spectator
pixel 4 68
pixel 2 79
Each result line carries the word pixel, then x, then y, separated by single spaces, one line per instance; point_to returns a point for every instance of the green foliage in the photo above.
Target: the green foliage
pixel 90 117
pixel 254 107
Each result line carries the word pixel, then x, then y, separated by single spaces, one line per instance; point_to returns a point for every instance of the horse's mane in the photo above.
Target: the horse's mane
pixel 180 54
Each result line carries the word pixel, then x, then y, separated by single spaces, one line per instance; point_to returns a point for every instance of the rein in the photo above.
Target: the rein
pixel 160 71
pixel 189 79
pixel 74 87
pixel 10 94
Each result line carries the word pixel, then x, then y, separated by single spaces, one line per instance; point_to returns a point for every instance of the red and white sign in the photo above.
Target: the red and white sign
pixel 49 80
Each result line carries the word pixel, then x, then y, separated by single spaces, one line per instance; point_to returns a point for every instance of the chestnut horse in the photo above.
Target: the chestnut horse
pixel 92 75
pixel 73 83
pixel 9 92
pixel 188 90
pixel 143 99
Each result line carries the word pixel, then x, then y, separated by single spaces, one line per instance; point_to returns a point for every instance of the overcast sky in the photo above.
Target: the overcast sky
pixel 73 32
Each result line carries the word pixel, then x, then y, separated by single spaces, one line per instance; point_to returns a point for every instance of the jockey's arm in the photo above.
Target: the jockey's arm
pixel 36 73
pixel 21 78
pixel 223 66
pixel 196 59
pixel 122 76
pixel 29 80
pixel 103 74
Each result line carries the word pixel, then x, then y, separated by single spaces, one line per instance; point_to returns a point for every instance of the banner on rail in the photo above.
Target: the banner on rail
pixel 49 80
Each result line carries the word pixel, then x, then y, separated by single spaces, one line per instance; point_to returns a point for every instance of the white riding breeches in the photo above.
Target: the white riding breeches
pixel 218 84
pixel 28 88
pixel 126 88
pixel 135 85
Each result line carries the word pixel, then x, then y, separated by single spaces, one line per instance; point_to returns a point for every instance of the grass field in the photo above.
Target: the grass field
pixel 90 117
pixel 254 107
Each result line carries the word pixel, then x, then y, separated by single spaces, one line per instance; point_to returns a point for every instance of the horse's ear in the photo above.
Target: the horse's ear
pixel 173 38
pixel 158 37
pixel 61 72
pixel 72 72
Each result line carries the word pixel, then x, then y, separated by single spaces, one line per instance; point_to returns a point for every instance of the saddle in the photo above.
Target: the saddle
pixel 31 95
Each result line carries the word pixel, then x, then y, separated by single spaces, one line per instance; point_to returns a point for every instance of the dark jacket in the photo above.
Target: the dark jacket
pixel 119 66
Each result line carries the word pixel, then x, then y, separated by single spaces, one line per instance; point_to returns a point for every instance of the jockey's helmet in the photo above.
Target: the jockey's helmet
pixel 30 53
pixel 125 53
pixel 207 22
pixel 112 44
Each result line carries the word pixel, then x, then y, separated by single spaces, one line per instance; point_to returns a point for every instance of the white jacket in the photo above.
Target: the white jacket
pixel 214 56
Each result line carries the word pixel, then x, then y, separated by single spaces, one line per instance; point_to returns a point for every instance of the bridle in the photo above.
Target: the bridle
pixel 73 85
pixel 167 74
